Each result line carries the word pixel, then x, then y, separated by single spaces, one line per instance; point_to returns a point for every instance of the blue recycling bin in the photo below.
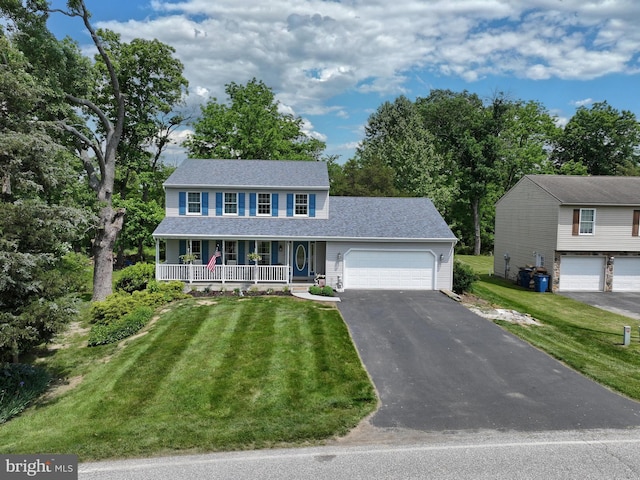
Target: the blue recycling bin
pixel 525 278
pixel 541 282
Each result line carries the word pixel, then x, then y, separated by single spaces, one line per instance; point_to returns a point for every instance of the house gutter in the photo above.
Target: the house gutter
pixel 175 236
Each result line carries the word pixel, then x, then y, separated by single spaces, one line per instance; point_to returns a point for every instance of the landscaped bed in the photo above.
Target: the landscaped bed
pixel 210 374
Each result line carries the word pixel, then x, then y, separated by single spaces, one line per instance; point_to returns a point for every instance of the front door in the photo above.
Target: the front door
pixel 300 259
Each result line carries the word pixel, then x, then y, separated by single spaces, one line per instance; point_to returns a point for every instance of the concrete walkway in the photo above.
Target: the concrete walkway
pixel 319 298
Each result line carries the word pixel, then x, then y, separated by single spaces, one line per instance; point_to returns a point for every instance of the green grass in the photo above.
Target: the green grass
pixel 242 373
pixel 481 264
pixel 586 338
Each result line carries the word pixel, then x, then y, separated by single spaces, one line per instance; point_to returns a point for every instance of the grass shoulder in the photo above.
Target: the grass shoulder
pixel 586 338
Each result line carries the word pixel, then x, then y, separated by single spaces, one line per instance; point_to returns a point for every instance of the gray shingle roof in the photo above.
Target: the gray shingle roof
pixel 596 190
pixel 250 173
pixel 349 218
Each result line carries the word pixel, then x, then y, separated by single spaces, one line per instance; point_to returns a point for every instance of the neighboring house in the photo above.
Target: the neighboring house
pixel 282 211
pixel 583 230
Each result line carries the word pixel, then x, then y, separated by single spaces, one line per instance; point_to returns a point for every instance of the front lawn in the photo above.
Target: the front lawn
pixel 229 373
pixel 586 338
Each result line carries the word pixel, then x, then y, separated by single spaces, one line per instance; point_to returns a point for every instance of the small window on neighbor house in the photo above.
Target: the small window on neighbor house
pixel 230 203
pixel 264 204
pixel 301 204
pixel 193 203
pixel 635 229
pixel 587 221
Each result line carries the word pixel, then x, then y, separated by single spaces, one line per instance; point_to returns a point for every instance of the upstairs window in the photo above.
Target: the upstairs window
pixel 230 203
pixel 264 204
pixel 587 221
pixel 301 207
pixel 194 204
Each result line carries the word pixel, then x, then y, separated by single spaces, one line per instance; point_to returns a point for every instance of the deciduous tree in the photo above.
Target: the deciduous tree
pixel 117 97
pixel 396 136
pixel 603 139
pixel 251 126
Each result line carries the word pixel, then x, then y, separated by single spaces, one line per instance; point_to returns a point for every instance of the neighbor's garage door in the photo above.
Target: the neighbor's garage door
pixel 584 274
pixel 389 269
pixel 626 274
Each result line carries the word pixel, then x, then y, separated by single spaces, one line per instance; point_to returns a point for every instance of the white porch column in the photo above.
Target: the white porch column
pixel 157 258
pixel 222 253
pixel 190 262
pixel 255 266
pixel 289 271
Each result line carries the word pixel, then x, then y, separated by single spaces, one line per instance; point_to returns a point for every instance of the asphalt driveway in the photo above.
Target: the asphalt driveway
pixel 439 367
pixel 624 303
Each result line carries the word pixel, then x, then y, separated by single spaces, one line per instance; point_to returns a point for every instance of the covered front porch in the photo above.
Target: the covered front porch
pixel 211 261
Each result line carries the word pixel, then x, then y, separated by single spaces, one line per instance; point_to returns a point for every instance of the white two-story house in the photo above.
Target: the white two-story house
pixel 282 211
pixel 583 230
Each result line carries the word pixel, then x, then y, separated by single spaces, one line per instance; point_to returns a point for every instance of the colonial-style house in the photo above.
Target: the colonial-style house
pixel 273 222
pixel 583 230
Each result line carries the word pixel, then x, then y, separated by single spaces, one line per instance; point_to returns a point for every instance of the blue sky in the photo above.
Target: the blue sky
pixel 334 62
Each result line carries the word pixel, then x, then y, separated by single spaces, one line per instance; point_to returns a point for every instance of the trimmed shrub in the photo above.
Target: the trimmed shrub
pixel 325 291
pixel 315 290
pixel 124 327
pixel 463 277
pixel 136 277
pixel 119 304
pixel 20 384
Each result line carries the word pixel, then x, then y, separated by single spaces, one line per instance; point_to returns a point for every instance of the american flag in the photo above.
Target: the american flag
pixel 212 263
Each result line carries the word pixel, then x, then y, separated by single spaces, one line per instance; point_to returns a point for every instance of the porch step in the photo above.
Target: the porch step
pixel 299 288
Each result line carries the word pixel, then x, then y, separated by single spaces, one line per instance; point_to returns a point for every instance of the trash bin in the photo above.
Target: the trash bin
pixel 541 282
pixel 525 278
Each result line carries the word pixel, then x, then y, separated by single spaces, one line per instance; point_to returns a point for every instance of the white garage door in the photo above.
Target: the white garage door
pixel 389 269
pixel 626 274
pixel 581 274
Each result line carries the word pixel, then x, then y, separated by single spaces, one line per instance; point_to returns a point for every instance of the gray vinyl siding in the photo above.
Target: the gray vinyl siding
pixel 444 275
pixel 526 222
pixel 612 230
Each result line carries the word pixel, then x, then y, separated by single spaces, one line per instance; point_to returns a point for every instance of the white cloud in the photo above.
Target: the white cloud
pixel 310 51
pixel 582 103
pixel 315 49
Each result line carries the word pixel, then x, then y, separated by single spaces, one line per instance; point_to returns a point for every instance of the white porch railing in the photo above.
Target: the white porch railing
pixel 222 273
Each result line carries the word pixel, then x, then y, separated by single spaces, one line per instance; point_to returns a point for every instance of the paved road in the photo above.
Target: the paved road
pixel 624 303
pixel 581 455
pixel 439 367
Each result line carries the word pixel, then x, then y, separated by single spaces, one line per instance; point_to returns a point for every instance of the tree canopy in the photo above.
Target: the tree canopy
pixel 604 140
pixel 250 126
pixel 37 223
pixel 107 108
pixel 455 148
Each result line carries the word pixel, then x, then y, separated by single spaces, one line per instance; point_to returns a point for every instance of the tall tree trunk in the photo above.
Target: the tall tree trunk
pixel 110 225
pixel 475 205
pixel 140 251
pixel 15 352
